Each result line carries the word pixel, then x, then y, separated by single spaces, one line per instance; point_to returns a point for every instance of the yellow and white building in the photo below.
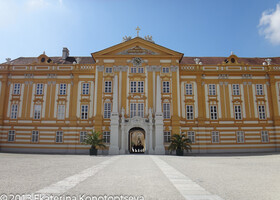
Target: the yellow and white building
pixel 139 92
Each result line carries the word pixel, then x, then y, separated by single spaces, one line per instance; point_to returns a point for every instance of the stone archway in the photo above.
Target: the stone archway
pixel 136 140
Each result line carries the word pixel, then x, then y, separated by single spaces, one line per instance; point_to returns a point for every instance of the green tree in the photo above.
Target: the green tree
pixel 179 143
pixel 95 140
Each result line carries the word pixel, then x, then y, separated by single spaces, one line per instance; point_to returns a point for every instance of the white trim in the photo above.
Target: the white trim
pixel 87 76
pixel 108 60
pixel 79 99
pixel 266 101
pixel 32 100
pixel 67 107
pixel 178 93
pixel 195 99
pixel 243 101
pixel 230 100
pixel 91 99
pixel 183 101
pixel 95 92
pixel 219 101
pixel 21 100
pixel 277 96
pixel 10 98
pixel 254 101
pixel 206 101
pixel 44 101
pixel 55 100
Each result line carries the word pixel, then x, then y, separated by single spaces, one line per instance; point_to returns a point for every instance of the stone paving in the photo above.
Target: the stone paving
pixel 211 177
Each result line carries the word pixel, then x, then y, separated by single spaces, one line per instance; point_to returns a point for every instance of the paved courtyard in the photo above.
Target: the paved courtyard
pixel 235 177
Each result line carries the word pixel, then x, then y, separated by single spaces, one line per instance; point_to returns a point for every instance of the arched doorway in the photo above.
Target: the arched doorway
pixel 136 141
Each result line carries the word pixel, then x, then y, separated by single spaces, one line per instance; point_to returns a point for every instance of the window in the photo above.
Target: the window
pixel 59 137
pixel 259 89
pixel 35 136
pixel 235 89
pixel 84 112
pixel 189 111
pixel 108 70
pixel 133 87
pixel 39 89
pixel 191 136
pixel 132 110
pixel 165 88
pixel 166 110
pixel 133 70
pixel 140 70
pixel 140 87
pixel 189 89
pixel 61 112
pixel 83 135
pixel 85 89
pixel 213 112
pixel 16 88
pixel 108 86
pixel 11 136
pixel 167 136
pixel 265 137
pixel 14 111
pixel 215 137
pixel 107 110
pixel 106 136
pixel 261 112
pixel 37 112
pixel 165 70
pixel 237 111
pixel 62 90
pixel 141 109
pixel 212 89
pixel 240 137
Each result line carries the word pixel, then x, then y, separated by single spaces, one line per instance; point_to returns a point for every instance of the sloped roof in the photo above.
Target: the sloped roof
pixel 220 60
pixel 56 60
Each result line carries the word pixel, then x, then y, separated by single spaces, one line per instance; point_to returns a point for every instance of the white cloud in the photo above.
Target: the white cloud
pixel 269 25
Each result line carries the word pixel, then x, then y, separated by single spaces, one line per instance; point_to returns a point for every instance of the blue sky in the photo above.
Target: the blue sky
pixel 249 28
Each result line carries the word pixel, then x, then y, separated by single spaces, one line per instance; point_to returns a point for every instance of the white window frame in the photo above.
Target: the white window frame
pixel 107 110
pixel 189 89
pixel 84 111
pixel 262 113
pixel 165 70
pixel 133 86
pixel 85 89
pixel 37 111
pixel 133 70
pixel 215 136
pixel 166 86
pixel 39 89
pixel 108 87
pixel 62 88
pixel 213 112
pixel 59 137
pixel 83 135
pixel 141 109
pixel 167 136
pixel 212 89
pixel 140 88
pixel 240 137
pixel 237 112
pixel 11 136
pixel 61 111
pixel 189 112
pixel 106 137
pixel 166 110
pixel 108 70
pixel 35 136
pixel 133 109
pixel 191 136
pixel 16 90
pixel 235 89
pixel 14 111
pixel 141 70
pixel 259 88
pixel 264 136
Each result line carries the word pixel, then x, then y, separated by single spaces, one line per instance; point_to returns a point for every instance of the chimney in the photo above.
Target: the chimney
pixel 65 53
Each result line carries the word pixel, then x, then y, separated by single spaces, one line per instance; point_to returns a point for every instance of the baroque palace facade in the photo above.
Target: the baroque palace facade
pixel 138 94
